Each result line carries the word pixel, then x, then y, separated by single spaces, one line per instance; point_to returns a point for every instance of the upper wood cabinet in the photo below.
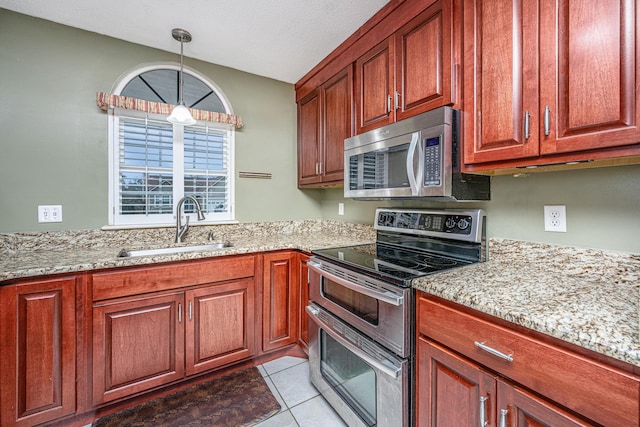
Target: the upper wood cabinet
pixel 38 351
pixel 325 120
pixel 409 72
pixel 549 82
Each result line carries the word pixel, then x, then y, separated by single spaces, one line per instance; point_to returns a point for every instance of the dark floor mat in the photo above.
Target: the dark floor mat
pixel 239 399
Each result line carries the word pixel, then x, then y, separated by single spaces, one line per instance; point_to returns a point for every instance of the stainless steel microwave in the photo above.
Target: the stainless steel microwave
pixel 416 157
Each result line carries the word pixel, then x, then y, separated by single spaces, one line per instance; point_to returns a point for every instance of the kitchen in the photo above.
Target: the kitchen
pixel 68 66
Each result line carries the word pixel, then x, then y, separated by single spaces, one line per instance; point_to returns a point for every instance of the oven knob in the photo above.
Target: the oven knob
pixel 450 223
pixel 463 224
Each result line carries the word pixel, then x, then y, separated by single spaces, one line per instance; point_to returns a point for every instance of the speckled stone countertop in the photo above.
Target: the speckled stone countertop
pixel 583 296
pixel 37 254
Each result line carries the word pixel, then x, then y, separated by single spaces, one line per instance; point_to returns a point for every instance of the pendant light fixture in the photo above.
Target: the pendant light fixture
pixel 180 114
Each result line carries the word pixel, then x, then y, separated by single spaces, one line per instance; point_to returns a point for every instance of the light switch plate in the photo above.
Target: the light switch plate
pixel 49 213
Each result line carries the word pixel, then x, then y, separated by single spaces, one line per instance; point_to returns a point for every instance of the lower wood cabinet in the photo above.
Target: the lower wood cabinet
pixel 138 344
pixel 72 343
pixel 37 351
pixel 303 319
pixel 456 392
pixel 471 366
pixel 280 300
pixel 145 341
pixel 220 322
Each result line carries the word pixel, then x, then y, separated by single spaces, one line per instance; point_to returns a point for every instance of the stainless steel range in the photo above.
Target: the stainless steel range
pixel 362 309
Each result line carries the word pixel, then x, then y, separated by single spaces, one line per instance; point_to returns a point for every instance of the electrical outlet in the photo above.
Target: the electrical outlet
pixel 340 208
pixel 555 218
pixel 49 213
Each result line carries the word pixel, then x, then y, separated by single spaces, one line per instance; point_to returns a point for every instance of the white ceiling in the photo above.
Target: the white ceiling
pixel 280 39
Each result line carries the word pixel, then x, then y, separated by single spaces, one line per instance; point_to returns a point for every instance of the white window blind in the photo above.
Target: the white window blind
pixel 146 166
pixel 206 167
pixel 158 163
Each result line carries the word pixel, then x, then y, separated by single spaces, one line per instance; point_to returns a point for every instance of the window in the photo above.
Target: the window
pixel 153 163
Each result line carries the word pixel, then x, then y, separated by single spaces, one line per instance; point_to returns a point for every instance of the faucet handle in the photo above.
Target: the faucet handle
pixel 211 236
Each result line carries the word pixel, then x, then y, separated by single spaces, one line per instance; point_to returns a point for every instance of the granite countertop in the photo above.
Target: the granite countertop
pixel 37 254
pixel 587 297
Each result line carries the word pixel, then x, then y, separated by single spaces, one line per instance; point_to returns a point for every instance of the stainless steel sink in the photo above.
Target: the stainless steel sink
pixel 172 250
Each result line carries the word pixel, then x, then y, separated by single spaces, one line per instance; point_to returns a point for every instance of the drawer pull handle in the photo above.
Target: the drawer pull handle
pixel 483 411
pixel 483 346
pixel 503 417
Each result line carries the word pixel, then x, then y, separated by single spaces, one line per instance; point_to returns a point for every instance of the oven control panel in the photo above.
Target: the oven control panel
pixel 453 224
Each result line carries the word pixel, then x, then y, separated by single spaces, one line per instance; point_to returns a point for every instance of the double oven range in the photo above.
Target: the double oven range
pixel 362 309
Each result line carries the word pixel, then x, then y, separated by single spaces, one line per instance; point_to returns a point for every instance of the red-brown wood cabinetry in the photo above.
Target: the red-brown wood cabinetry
pixel 303 278
pixel 198 316
pixel 138 344
pixel 550 82
pixel 280 300
pixel 540 378
pixel 220 323
pixel 325 120
pixel 457 392
pixel 38 351
pixel 411 71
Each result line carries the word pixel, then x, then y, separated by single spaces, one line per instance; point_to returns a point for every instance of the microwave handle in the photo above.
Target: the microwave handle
pixel 411 174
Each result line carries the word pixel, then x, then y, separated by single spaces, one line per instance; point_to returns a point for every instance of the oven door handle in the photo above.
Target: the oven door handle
pixel 375 361
pixel 381 295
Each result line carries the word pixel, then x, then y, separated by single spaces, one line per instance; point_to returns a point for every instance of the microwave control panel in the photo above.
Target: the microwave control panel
pixel 432 161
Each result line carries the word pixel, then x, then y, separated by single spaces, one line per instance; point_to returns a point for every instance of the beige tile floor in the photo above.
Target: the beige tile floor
pixel 302 405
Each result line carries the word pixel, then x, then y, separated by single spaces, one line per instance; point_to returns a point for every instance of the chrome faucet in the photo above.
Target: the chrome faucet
pixel 181 230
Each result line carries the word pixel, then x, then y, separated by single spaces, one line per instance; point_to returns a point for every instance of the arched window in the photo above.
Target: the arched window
pixel 153 163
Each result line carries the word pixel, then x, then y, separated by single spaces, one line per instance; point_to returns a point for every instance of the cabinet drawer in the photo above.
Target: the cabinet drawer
pixel 141 280
pixel 597 391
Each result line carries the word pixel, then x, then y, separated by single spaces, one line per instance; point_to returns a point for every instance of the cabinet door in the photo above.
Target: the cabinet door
pixel 520 408
pixel 280 301
pixel 303 278
pixel 337 123
pixel 589 75
pixel 219 325
pixel 451 392
pixel 138 343
pixel 309 139
pixel 423 61
pixel 375 87
pixel 500 80
pixel 38 351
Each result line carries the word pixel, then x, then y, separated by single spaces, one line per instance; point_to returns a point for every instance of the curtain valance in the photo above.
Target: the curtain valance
pixel 106 100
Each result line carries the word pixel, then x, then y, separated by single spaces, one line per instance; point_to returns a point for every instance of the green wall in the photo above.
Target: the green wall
pixel 53 140
pixel 603 207
pixel 53 149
